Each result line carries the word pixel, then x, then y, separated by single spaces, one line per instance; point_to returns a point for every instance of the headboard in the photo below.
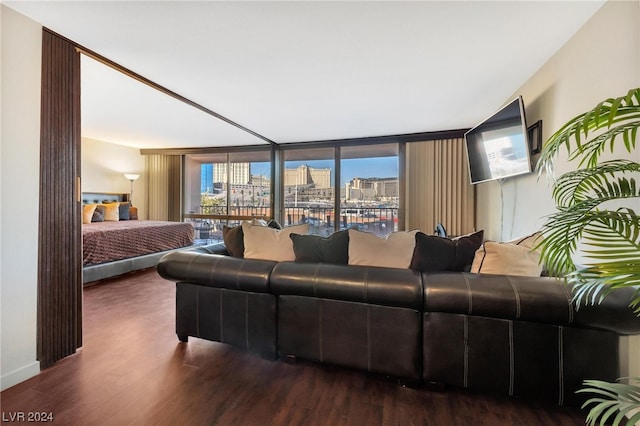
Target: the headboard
pixel 101 197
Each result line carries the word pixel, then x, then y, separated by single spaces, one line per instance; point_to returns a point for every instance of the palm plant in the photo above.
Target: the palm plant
pixel 593 220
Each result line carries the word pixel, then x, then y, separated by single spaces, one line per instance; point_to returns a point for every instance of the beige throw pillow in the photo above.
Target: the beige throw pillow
pixel 261 242
pixel 393 251
pixel 530 241
pixel 87 212
pixel 507 259
pixel 111 212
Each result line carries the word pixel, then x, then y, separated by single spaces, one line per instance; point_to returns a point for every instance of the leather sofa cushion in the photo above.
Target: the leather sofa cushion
pixel 378 286
pixel 216 270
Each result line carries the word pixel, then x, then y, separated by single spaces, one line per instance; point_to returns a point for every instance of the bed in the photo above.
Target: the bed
pixel 111 248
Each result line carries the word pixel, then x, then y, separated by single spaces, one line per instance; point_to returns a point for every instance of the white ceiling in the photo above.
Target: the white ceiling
pixel 303 71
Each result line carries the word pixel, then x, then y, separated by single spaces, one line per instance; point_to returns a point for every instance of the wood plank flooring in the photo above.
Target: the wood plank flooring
pixel 133 371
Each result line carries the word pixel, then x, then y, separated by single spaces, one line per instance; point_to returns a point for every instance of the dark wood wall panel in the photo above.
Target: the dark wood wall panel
pixel 60 244
pixel 174 185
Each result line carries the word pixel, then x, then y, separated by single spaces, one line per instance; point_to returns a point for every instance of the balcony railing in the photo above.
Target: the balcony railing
pixel 322 220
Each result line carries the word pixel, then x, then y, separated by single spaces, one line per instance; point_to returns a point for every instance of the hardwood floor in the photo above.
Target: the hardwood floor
pixel 133 371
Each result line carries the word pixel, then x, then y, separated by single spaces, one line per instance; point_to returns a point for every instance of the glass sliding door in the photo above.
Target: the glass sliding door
pixel 249 184
pixel 309 190
pixel 224 189
pixel 330 187
pixel 369 176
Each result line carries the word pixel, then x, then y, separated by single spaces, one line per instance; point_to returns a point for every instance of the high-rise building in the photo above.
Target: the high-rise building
pixel 206 178
pixel 305 175
pixel 240 173
pixel 260 180
pixel 370 188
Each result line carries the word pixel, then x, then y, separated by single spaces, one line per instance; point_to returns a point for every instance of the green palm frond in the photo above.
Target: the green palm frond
pixel 608 239
pixel 619 116
pixel 591 150
pixel 578 185
pixel 619 399
pixel 613 234
pixel 608 232
pixel 590 285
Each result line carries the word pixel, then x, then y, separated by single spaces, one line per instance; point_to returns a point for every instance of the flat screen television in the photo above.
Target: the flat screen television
pixel 498 147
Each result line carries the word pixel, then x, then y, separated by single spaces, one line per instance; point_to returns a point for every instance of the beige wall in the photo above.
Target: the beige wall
pixel 19 195
pixel 602 60
pixel 572 81
pixel 103 168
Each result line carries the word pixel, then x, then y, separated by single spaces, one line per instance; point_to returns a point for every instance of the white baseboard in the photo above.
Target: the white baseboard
pixel 19 375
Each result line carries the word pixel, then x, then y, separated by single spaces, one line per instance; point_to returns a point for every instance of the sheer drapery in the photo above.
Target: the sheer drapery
pixel 164 182
pixel 438 188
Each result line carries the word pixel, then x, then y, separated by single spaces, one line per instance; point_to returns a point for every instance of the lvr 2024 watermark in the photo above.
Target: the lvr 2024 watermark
pixel 27 416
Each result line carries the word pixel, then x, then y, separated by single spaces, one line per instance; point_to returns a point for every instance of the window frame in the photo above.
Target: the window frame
pixel 277 158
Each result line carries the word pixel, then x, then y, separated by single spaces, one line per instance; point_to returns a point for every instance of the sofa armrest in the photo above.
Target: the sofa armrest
pixel 374 285
pixel 214 270
pixel 535 299
pixel 613 314
pixel 218 248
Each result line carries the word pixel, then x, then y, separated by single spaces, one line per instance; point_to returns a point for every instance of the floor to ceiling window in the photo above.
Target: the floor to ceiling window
pixel 331 187
pixel 364 196
pixel 370 198
pixel 309 190
pixel 224 189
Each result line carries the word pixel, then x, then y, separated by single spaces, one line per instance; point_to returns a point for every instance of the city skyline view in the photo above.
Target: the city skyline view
pixel 368 193
pixel 378 167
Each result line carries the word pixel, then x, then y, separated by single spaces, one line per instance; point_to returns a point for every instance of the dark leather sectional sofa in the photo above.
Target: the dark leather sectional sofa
pixel 519 336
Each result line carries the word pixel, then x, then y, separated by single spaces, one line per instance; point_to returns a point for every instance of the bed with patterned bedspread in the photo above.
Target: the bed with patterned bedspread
pixel 115 242
pixel 110 241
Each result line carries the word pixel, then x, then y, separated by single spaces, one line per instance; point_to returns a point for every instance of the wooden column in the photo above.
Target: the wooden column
pixel 60 244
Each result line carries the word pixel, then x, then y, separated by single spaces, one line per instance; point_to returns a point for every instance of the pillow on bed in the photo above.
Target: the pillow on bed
pixel 123 211
pixel 111 212
pixel 87 212
pixel 98 214
pixel 133 213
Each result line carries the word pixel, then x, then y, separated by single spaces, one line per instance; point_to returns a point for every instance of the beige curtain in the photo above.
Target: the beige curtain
pixel 164 174
pixel 438 188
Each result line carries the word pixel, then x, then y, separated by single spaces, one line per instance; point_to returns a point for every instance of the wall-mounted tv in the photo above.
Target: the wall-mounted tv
pixel 498 147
